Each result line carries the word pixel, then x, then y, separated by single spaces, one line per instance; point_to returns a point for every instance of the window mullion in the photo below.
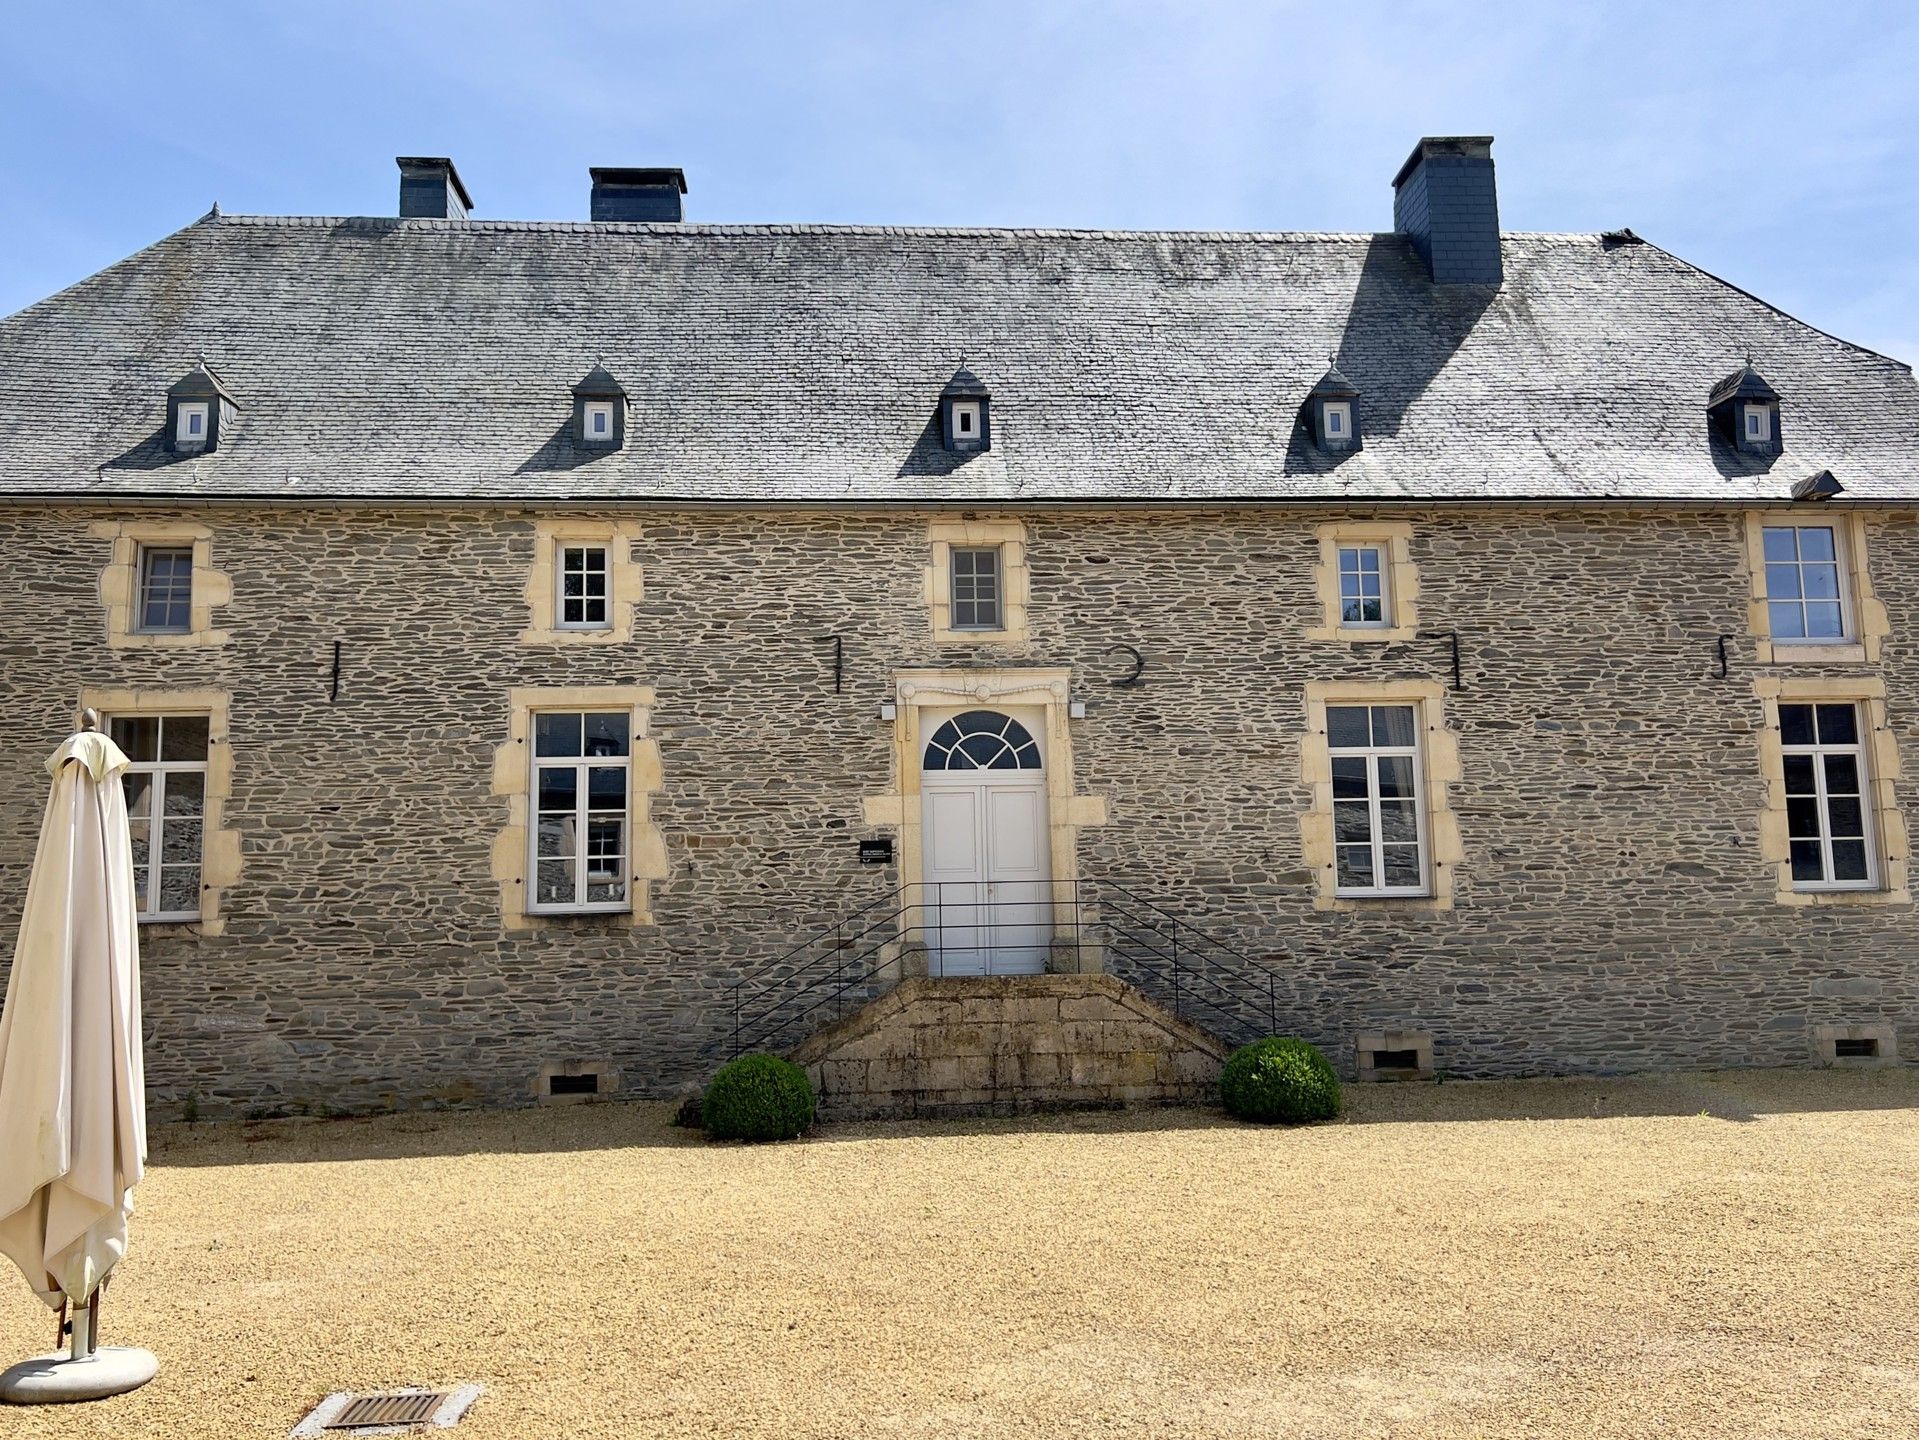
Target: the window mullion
pixel 1378 827
pixel 156 813
pixel 579 832
pixel 1829 874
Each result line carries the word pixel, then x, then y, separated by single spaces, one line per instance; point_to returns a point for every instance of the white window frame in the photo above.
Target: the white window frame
pixel 596 410
pixel 1384 558
pixel 1373 754
pixel 560 597
pixel 583 875
pixel 144 556
pixel 1848 624
pixel 998 591
pixel 184 413
pixel 1763 414
pixel 966 411
pixel 147 887
pixel 1868 819
pixel 1342 410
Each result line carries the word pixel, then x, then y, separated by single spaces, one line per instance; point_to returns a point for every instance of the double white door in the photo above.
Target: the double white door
pixel 987 907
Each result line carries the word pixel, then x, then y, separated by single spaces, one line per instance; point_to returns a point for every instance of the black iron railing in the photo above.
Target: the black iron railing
pixel 966 928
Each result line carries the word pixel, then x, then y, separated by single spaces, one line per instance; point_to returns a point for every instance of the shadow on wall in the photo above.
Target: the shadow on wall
pixel 1401 331
pixel 1735 1096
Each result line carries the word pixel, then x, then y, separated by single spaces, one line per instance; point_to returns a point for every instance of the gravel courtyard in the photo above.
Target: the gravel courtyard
pixel 1713 1255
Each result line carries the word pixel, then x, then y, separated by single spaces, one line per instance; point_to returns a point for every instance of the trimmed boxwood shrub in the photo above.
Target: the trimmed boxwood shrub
pixel 1279 1080
pixel 758 1097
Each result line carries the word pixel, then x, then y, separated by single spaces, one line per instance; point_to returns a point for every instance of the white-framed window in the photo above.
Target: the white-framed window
pixel 1363 598
pixel 166 589
pixel 1758 422
pixel 1828 806
pixel 1339 419
pixel 582 777
pixel 599 420
pixel 966 419
pixel 166 788
pixel 1379 822
pixel 582 576
pixel 1806 597
pixel 976 587
pixel 190 423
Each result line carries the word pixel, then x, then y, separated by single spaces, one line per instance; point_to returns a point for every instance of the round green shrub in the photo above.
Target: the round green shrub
pixel 758 1097
pixel 1279 1080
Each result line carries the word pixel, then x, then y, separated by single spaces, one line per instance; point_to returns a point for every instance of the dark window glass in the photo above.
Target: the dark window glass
pixel 166 589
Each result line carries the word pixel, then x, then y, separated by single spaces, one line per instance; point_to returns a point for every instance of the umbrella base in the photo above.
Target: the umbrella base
pixel 58 1380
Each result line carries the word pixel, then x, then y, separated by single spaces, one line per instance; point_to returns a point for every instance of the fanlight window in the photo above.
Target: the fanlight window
pixel 982 740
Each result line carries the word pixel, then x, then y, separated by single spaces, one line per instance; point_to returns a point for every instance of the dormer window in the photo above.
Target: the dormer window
pixel 199 410
pixel 1744 410
pixel 1330 416
pixel 966 419
pixel 599 411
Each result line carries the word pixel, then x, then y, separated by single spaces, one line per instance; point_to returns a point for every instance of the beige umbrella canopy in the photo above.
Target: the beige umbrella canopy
pixel 73 1135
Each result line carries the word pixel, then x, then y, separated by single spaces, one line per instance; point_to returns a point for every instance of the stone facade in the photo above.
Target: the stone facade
pixel 1612 905
pixel 1007 1046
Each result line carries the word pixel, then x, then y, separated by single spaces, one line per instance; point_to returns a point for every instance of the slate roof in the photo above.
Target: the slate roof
pixel 434 359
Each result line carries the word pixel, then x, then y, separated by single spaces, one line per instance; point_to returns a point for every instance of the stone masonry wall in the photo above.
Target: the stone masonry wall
pixel 1612 911
pixel 1006 1046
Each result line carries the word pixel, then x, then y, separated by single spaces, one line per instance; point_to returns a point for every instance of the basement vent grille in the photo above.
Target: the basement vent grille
pixel 400 1407
pixel 1395 1059
pixel 573 1085
pixel 1855 1049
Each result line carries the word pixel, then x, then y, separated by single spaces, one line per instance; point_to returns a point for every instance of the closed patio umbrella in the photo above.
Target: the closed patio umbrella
pixel 73 1134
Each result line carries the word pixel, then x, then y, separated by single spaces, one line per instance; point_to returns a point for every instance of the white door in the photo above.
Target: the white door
pixel 986 906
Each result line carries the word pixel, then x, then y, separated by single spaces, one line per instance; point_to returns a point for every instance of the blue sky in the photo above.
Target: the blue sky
pixel 1774 144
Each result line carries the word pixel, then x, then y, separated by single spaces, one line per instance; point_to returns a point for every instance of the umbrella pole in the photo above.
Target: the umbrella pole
pixel 84 1314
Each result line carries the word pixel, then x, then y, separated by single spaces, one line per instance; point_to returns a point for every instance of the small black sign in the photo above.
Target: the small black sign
pixel 877 852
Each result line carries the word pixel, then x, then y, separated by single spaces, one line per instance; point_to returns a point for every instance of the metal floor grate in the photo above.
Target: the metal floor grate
pixel 402 1407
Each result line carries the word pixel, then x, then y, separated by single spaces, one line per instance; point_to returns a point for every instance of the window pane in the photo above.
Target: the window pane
pixel 1402 866
pixel 1815 543
pixel 555 883
pixel 605 849
pixel 1346 727
pixel 1393 725
pixel 1788 620
pixel 1349 777
pixel 1349 559
pixel 1795 724
pixel 556 734
pixel 1352 821
pixel 1848 818
pixel 180 842
pixel 139 794
pixel 1838 725
pixel 1849 860
pixel 1807 864
pixel 1396 776
pixel 184 737
pixel 1821 581
pixel 1842 774
pixel 555 836
pixel 137 735
pixel 186 791
pixel 1398 822
pixel 1355 867
pixel 605 789
pixel 1824 620
pixel 1802 817
pixel 1782 582
pixel 1799 776
pixel 180 889
pixel 1351 612
pixel 559 787
pixel 606 732
pixel 139 830
pixel 1780 543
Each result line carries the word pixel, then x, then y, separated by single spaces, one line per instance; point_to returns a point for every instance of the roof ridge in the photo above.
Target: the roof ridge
pixel 781 227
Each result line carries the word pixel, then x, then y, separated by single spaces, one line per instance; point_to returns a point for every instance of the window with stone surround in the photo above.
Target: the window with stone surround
pixel 581 800
pixel 166 787
pixel 1805 584
pixel 1823 760
pixel 1812 596
pixel 976 587
pixel 1368 586
pixel 159 587
pixel 582 584
pixel 1378 823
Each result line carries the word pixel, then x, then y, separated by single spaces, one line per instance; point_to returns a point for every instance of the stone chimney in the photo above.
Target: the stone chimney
pixel 430 188
pixel 623 194
pixel 1444 200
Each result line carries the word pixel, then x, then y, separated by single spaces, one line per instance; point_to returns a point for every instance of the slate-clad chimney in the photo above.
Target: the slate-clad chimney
pixel 1444 200
pixel 623 194
pixel 430 188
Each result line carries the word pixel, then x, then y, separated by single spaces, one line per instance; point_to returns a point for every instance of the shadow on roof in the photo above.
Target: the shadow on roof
pixel 560 453
pixel 149 453
pixel 929 455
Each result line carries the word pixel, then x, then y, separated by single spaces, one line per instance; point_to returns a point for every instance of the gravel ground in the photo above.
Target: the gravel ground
pixel 1713 1255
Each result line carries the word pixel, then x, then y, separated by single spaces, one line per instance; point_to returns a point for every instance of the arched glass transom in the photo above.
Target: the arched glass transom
pixel 981 740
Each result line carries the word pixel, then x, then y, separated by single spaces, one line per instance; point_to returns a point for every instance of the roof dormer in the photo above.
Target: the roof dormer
pixel 966 420
pixel 599 411
pixel 199 410
pixel 1744 409
pixel 1331 413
